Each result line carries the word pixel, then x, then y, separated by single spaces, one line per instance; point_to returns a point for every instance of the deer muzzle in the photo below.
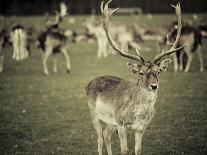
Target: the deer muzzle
pixel 153 86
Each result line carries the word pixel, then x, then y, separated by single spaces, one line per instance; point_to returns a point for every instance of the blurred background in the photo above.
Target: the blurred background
pixel 38 7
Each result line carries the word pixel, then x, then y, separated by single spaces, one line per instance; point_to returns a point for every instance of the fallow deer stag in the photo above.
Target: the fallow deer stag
pixel 121 104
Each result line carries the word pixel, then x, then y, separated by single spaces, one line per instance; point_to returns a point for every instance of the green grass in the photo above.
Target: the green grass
pixel 49 115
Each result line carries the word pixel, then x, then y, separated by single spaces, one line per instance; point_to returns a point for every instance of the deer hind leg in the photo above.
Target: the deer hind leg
pixel 46 55
pixel 110 49
pixel 67 58
pixel 181 60
pixel 190 57
pixel 123 139
pixel 107 137
pixel 138 140
pixel 55 64
pixel 187 50
pixel 200 56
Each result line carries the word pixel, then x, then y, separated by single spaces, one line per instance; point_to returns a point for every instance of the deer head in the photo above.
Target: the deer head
pixel 148 71
pixel 50 24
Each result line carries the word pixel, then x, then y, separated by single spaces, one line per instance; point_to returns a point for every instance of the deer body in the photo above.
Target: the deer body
pixel 134 107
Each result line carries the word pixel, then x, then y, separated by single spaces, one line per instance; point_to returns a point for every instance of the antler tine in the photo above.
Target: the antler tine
pixel 173 48
pixel 139 55
pixel 107 13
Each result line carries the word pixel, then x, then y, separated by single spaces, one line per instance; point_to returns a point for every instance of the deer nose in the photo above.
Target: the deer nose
pixel 154 86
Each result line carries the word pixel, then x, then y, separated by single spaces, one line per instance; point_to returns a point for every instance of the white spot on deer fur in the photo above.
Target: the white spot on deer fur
pixel 105 112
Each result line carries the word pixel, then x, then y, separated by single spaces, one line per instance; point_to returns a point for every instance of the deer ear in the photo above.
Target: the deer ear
pixel 134 67
pixel 164 64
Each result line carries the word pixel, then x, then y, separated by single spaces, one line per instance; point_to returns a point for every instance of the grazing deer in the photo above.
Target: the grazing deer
pixel 53 41
pixel 21 39
pixel 122 104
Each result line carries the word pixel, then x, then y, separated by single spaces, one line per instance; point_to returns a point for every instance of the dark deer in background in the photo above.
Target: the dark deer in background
pixel 53 41
pixel 192 38
pixel 123 104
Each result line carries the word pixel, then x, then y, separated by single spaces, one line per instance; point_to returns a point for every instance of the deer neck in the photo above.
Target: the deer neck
pixel 138 107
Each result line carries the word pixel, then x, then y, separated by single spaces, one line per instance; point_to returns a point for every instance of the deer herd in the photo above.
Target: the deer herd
pixel 115 104
pixel 53 39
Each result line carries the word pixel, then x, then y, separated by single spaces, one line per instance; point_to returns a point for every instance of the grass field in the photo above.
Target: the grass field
pixel 49 115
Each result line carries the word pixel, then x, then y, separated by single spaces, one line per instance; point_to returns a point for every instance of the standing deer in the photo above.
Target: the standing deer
pixel 53 41
pixel 192 38
pixel 98 31
pixel 122 104
pixel 18 37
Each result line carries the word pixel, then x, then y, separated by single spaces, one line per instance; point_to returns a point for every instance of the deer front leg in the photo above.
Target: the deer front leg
pixel 138 139
pixel 175 62
pixel 55 64
pixel 100 48
pixel 99 129
pixel 97 125
pixel 67 58
pixel 46 55
pixel 105 52
pixel 181 60
pixel 1 63
pixel 200 56
pixel 107 138
pixel 123 139
pixel 190 57
pixel 1 57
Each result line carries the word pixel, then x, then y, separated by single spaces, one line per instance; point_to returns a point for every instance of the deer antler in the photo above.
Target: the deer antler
pixel 174 45
pixel 107 13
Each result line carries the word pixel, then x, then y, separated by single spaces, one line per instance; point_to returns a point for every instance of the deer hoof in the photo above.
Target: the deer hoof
pixel 68 71
pixel 186 70
pixel 55 71
pixel 124 152
pixel 46 73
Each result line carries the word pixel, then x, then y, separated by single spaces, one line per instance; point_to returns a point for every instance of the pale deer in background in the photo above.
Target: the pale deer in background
pixel 18 37
pixel 121 104
pixel 97 30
